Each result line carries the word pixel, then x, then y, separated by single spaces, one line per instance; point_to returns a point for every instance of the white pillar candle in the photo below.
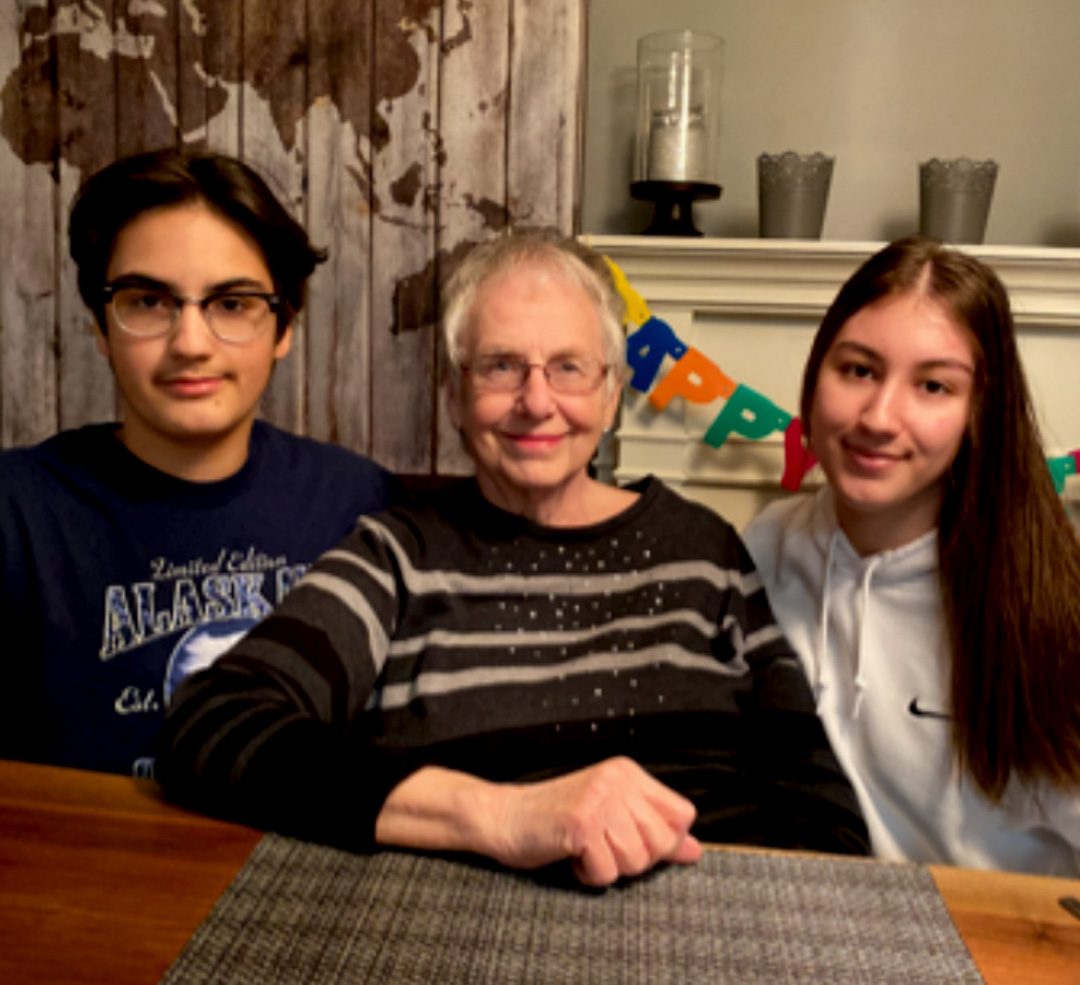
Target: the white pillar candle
pixel 676 150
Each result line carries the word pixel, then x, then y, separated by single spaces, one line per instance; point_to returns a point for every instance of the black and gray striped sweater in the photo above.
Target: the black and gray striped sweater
pixel 449 632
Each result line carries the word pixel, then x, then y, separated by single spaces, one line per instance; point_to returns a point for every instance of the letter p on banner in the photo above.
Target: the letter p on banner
pixel 694 377
pixel 749 415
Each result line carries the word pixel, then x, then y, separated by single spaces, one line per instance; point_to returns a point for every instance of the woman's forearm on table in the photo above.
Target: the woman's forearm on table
pixel 441 809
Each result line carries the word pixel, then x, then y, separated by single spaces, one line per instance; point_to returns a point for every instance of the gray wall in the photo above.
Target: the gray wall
pixel 880 84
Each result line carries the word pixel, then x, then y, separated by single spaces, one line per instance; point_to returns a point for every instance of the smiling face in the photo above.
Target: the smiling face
pixel 187 399
pixel 889 413
pixel 532 445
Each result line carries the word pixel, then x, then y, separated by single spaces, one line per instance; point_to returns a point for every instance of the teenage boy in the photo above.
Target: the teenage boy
pixel 132 553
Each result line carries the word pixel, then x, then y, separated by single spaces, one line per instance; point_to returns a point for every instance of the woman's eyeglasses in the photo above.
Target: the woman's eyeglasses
pixel 564 374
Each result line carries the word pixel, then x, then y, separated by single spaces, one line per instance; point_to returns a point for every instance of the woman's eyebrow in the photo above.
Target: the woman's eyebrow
pixel 859 348
pixel 956 364
pixel 867 352
pixel 497 350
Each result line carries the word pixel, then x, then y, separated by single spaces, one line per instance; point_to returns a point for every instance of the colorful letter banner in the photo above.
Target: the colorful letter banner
pixel 746 412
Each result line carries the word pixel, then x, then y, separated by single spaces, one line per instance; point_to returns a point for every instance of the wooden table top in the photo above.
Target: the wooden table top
pixel 103 881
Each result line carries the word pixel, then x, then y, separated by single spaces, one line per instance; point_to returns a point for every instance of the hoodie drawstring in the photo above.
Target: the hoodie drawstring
pixel 817 658
pixel 864 619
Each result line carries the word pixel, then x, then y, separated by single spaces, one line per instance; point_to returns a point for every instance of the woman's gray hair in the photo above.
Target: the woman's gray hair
pixel 553 252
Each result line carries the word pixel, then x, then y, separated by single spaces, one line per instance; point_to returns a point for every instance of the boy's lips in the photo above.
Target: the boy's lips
pixel 192 386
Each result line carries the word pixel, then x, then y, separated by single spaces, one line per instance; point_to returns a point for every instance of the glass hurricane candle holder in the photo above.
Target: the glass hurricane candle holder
pixel 677 127
pixel 679 76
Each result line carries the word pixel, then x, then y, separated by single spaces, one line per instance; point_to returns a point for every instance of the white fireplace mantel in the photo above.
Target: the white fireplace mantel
pixel 801 277
pixel 752 306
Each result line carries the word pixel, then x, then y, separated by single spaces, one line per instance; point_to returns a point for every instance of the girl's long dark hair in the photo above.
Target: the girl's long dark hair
pixel 1009 556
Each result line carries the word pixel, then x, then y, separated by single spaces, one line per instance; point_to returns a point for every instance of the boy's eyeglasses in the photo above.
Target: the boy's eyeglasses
pixel 150 312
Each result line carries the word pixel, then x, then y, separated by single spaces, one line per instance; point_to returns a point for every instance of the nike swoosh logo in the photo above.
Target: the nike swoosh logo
pixel 918 712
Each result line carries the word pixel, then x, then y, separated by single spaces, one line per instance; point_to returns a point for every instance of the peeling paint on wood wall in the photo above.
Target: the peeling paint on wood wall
pixel 400 131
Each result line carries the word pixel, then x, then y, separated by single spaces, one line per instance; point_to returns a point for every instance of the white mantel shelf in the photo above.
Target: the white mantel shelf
pixel 800 277
pixel 752 305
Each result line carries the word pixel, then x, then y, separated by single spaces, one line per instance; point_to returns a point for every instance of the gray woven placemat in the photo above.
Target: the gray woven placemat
pixel 301 913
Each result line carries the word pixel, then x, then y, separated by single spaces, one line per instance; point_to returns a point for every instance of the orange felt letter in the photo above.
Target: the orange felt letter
pixel 694 377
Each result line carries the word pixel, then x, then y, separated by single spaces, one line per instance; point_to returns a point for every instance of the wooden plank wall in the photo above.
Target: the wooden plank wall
pixel 398 130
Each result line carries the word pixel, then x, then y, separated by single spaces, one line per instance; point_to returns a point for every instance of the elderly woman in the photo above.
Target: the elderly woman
pixel 532 666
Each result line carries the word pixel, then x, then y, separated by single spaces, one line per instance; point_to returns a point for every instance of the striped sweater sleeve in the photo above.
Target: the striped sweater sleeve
pixel 265 735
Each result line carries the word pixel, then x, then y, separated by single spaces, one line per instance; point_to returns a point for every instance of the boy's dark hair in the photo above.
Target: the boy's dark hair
pixel 119 193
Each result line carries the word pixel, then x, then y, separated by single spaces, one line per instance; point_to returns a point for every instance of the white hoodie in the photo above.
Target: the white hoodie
pixel 871 636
